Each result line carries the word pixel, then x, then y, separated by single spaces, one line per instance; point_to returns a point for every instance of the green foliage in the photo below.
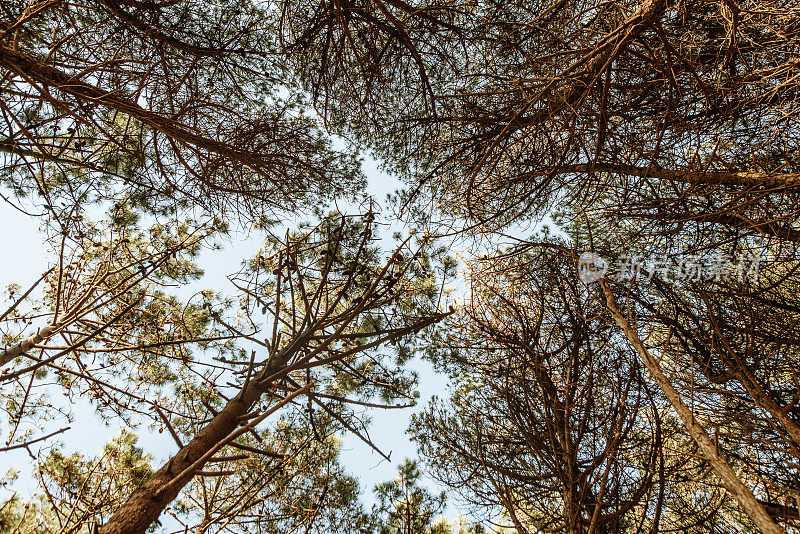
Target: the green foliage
pixel 403 506
pixel 78 492
pixel 142 133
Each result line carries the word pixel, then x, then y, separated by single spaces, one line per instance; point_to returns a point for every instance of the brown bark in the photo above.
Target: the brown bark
pixel 147 502
pixel 691 176
pixel 760 396
pixel 28 343
pixel 743 495
pixel 32 69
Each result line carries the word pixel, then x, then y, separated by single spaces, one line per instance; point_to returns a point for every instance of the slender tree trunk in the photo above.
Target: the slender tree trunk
pixel 743 495
pixel 765 401
pixel 689 176
pixel 760 396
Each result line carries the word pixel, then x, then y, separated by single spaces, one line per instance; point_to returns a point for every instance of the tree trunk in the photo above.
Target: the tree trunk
pixel 743 495
pixel 147 502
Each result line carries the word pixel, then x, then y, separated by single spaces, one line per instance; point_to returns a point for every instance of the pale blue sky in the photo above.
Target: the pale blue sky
pixel 26 258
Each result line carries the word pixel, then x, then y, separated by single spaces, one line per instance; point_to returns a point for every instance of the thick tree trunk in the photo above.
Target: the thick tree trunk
pixel 743 495
pixel 147 502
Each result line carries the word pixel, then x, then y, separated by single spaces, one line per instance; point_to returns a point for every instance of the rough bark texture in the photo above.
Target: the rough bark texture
pixel 743 495
pixel 147 502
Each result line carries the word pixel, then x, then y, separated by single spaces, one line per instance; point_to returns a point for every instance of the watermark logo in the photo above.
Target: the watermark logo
pixel 591 267
pixel 710 267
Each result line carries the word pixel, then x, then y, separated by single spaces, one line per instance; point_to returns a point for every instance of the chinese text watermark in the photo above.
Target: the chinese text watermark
pixel 709 267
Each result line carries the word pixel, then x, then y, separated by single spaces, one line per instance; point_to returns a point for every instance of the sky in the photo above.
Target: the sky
pixel 27 258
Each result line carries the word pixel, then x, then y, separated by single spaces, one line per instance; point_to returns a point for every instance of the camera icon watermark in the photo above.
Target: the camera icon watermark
pixel 591 267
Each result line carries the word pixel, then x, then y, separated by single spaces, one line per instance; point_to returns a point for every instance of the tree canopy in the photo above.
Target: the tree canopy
pixel 620 333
